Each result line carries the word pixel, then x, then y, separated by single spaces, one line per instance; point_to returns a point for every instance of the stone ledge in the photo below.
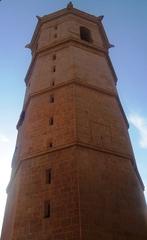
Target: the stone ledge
pixel 83 145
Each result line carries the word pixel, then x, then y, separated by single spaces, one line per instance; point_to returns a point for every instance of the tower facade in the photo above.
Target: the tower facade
pixel 74 175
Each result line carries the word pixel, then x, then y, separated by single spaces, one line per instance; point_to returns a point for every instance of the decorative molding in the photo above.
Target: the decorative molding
pixel 39 18
pixel 76 81
pixel 77 144
pixel 100 18
pixel 79 81
pixel 65 43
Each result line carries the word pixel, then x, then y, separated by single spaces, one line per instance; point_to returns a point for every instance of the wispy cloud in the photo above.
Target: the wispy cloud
pixel 141 125
pixel 3 139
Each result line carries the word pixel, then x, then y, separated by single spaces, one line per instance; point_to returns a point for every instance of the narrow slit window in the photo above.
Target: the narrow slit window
pixel 56 27
pixel 48 176
pixel 51 121
pixel 55 35
pixel 51 99
pixel 85 34
pixel 47 209
pixel 52 83
pixel 54 57
pixel 54 68
pixel 50 144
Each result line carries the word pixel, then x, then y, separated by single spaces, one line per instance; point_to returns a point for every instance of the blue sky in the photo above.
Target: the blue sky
pixel 125 24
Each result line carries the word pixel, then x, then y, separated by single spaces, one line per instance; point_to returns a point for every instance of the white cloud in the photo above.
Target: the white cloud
pixel 3 139
pixel 141 125
pixel 6 152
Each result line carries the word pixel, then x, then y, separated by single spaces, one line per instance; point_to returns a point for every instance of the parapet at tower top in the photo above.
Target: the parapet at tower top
pixel 70 7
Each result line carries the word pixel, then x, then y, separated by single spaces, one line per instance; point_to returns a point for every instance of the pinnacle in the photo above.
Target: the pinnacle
pixel 70 5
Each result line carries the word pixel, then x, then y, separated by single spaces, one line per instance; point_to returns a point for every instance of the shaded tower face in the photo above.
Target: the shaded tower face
pixel 74 175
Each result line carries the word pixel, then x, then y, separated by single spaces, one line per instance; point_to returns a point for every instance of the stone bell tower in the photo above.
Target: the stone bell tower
pixel 74 175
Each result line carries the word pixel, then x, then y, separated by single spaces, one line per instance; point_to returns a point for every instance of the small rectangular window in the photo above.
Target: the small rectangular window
pixel 54 57
pixel 51 99
pixel 48 176
pixel 54 68
pixel 52 83
pixel 85 34
pixel 50 144
pixel 47 210
pixel 51 121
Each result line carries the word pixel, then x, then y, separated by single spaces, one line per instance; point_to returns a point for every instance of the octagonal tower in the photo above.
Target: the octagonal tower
pixel 74 175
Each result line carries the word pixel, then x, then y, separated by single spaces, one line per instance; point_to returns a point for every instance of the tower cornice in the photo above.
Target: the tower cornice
pixel 64 12
pixel 79 82
pixel 76 144
pixel 76 81
pixel 65 43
